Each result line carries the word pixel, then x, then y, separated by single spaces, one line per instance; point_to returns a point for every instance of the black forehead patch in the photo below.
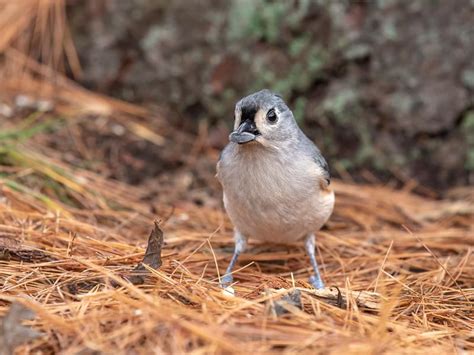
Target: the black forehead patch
pixel 264 99
pixel 249 112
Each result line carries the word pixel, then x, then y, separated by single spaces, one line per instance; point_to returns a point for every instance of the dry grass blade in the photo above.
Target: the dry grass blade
pixel 38 29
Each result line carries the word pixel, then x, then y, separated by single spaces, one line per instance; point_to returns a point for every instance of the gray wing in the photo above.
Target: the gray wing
pixel 222 156
pixel 317 157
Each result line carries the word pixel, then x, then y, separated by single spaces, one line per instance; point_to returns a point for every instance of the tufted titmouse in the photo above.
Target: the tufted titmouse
pixel 275 180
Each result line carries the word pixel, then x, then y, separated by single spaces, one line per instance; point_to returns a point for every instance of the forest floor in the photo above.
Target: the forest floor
pixel 80 191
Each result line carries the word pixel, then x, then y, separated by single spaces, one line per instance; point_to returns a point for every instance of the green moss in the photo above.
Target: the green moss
pixel 257 19
pixel 383 4
pixel 273 22
pixel 389 30
pixel 317 59
pixel 299 44
pixel 341 105
pixel 366 148
pixel 402 102
pixel 241 15
pixel 344 164
pixel 467 77
pixel 299 108
pixel 468 132
pixel 356 51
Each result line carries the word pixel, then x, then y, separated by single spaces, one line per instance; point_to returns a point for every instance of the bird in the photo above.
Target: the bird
pixel 275 181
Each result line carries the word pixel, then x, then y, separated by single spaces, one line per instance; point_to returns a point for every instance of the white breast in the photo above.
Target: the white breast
pixel 272 199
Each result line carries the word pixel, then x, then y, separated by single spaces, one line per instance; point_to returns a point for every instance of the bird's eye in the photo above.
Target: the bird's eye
pixel 271 116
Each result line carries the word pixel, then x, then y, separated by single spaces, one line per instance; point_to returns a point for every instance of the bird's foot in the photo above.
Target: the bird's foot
pixel 226 280
pixel 316 281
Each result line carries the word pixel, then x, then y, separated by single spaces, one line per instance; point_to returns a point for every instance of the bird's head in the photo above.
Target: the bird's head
pixel 263 118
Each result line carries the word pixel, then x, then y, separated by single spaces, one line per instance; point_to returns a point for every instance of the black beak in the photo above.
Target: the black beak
pixel 246 132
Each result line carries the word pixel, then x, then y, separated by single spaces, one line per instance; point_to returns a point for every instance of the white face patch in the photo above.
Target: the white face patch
pixel 260 120
pixel 237 115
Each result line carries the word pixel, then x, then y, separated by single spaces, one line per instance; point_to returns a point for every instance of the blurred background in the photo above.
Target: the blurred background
pixel 385 88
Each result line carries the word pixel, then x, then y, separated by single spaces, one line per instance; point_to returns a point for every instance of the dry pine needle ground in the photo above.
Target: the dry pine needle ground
pixel 414 252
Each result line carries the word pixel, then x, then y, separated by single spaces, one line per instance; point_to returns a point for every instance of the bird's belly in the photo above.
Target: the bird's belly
pixel 278 217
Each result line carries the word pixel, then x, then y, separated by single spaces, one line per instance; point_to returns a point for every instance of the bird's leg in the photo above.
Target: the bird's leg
pixel 314 279
pixel 240 245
